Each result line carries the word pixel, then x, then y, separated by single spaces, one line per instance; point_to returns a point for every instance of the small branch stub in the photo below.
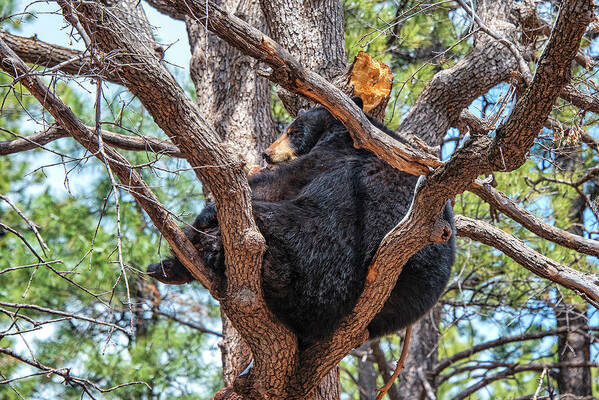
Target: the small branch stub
pixel 371 80
pixel 441 231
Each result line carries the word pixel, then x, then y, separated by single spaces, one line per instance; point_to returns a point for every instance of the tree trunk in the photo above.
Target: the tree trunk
pixel 574 346
pixel 312 32
pixel 232 96
pixel 366 376
pixel 236 101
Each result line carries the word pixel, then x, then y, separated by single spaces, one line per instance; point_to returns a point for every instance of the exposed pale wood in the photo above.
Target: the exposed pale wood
pixel 482 155
pixel 287 72
pixel 371 81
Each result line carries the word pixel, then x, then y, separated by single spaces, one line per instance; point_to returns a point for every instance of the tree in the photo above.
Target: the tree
pixel 449 71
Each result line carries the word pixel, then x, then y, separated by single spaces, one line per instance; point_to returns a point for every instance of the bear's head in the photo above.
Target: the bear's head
pixel 302 134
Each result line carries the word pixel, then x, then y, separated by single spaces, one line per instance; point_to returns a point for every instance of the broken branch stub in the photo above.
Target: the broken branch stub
pixel 371 80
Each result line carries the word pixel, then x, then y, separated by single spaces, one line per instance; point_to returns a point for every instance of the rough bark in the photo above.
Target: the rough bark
pixel 366 375
pixel 521 215
pixel 223 174
pixel 481 155
pixel 586 284
pixel 236 102
pixel 39 139
pixel 235 353
pixel 231 94
pixel 182 122
pixel 573 347
pixel 312 31
pixel 35 51
pixel 131 180
pixel 450 91
pixel 287 72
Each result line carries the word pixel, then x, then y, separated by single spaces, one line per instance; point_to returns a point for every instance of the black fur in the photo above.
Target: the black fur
pixel 323 216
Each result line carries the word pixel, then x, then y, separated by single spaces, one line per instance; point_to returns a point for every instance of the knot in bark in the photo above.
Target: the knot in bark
pixel 441 231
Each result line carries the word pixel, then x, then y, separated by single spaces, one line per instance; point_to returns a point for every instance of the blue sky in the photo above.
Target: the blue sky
pixel 50 27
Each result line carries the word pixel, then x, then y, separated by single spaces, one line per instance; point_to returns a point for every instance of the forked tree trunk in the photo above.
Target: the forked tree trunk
pixel 236 100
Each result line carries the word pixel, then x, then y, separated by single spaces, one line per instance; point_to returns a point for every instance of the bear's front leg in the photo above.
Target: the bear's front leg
pixel 170 271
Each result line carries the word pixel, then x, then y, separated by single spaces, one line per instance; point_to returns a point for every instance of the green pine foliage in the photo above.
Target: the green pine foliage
pixel 490 296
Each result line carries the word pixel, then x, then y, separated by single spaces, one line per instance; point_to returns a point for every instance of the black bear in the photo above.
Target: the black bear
pixel 323 213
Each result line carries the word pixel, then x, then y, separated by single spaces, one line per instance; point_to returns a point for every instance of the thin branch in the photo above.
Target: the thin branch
pixel 186 323
pixel 287 72
pixel 22 238
pixel 591 141
pixel 584 283
pixel 400 364
pixel 63 314
pixel 527 219
pixel 141 143
pixel 14 66
pixel 29 222
pixel 522 65
pixel 515 369
pixel 430 393
pixel 66 374
pixel 383 367
pixel 73 62
pixel 447 361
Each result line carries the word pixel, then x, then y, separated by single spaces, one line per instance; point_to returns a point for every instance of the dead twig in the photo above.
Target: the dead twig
pixel 400 363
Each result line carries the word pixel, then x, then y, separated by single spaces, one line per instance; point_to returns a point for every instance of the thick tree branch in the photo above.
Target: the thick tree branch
pixel 450 91
pixel 584 283
pixel 591 141
pixel 287 72
pixel 527 219
pixel 131 180
pixel 163 7
pixel 73 62
pixel 580 99
pixel 312 32
pixel 39 139
pixel 448 361
pixel 481 155
pixel 220 170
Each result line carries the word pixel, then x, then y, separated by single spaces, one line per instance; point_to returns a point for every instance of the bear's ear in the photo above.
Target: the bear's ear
pixel 358 101
pixel 300 112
